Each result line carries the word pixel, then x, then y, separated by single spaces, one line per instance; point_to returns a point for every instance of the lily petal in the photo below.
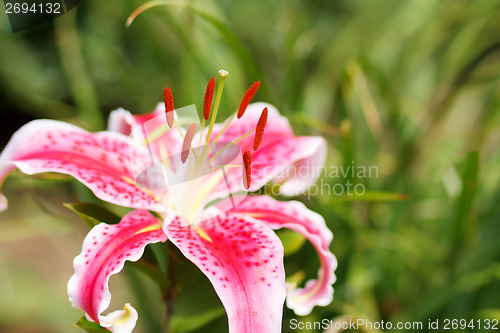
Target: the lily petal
pixel 122 121
pixel 295 215
pixel 104 252
pixel 243 259
pixel 151 128
pixel 120 320
pixel 294 161
pixel 105 162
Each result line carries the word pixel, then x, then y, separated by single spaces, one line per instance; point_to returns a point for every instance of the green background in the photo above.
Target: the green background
pixel 409 86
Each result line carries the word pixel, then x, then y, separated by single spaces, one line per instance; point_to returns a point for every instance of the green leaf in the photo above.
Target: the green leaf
pixel 196 304
pixel 301 119
pixel 367 196
pixel 93 214
pixel 90 326
pixel 232 40
pixel 189 323
pixel 488 314
pixel 153 272
pixel 148 5
pixel 145 299
pixel 469 177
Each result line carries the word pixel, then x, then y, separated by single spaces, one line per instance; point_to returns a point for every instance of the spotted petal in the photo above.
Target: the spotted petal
pixel 104 252
pixel 243 259
pixel 292 160
pixel 295 215
pixel 105 162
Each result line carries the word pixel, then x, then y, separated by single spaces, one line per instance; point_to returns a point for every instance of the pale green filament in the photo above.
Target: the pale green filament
pixel 222 78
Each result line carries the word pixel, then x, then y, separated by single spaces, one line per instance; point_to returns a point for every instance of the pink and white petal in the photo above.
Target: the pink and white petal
pixel 243 259
pixel 309 153
pixel 296 216
pixel 293 161
pixel 277 127
pixel 150 128
pixel 120 320
pixel 105 162
pixel 120 121
pixel 104 252
pixel 161 140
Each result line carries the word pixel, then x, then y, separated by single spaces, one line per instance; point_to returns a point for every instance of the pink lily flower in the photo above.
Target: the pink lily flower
pixel 231 241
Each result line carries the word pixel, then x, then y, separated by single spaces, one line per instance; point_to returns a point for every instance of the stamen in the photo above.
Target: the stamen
pixel 247 171
pixel 247 98
pixel 223 74
pixel 209 95
pixel 259 131
pixel 168 99
pixel 186 143
pixel 207 105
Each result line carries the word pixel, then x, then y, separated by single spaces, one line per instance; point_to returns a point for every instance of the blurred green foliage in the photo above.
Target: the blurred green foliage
pixel 411 87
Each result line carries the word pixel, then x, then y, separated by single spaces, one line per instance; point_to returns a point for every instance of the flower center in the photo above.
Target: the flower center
pixel 196 175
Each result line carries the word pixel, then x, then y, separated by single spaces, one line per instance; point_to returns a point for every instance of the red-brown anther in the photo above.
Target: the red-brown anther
pixel 207 101
pixel 186 143
pixel 168 99
pixel 247 98
pixel 259 130
pixel 247 170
